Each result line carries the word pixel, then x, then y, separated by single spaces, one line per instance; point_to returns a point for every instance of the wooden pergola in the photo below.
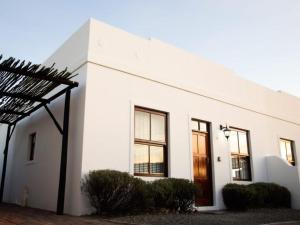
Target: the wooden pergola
pixel 25 88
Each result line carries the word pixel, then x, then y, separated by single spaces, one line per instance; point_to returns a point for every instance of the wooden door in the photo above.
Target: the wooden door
pixel 202 168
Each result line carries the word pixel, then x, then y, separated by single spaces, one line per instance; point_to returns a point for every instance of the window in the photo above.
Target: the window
pixel 287 150
pixel 32 139
pixel 240 157
pixel 150 142
pixel 198 125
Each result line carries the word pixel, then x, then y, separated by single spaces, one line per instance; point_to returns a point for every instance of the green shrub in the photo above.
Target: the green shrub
pixel 142 197
pixel 114 191
pixel 162 193
pixel 256 195
pixel 173 193
pixel 271 195
pixel 237 197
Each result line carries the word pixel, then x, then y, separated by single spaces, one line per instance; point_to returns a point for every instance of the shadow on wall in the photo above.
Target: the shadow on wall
pixel 282 173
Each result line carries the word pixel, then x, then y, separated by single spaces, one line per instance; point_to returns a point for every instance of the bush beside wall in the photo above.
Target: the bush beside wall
pixel 173 193
pixel 256 195
pixel 271 195
pixel 112 191
pixel 236 196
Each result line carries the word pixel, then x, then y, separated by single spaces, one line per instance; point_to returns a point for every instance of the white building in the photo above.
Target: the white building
pixel 153 110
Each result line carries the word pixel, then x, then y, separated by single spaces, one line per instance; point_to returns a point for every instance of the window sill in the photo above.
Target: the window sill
pixel 150 178
pixel 148 175
pixel 242 181
pixel 32 162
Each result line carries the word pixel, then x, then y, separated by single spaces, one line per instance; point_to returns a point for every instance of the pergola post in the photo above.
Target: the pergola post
pixel 64 156
pixel 4 163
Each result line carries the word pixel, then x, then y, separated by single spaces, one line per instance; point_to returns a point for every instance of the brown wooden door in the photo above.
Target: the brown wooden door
pixel 202 168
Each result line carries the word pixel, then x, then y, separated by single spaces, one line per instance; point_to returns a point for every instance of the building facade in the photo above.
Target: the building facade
pixel 154 111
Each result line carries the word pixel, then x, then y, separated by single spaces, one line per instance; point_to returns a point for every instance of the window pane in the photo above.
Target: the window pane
pixel 156 159
pixel 157 128
pixel 233 140
pixel 283 149
pixel 235 167
pixel 243 142
pixel 32 146
pixel 195 125
pixel 288 148
pixel 142 125
pixel 203 127
pixel 289 151
pixel 244 168
pixel 141 158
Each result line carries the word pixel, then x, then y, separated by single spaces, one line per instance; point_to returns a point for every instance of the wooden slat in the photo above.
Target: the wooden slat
pixel 12 112
pixel 22 96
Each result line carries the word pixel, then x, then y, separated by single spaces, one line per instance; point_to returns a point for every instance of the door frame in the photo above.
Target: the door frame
pixel 211 158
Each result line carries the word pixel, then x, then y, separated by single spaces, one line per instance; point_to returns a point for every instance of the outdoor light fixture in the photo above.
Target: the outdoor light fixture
pixel 226 131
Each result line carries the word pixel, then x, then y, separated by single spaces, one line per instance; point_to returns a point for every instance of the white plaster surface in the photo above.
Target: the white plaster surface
pixel 282 173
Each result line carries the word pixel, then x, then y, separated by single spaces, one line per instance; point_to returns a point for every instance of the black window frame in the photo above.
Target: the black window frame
pixel 292 143
pixel 150 143
pixel 199 122
pixel 240 155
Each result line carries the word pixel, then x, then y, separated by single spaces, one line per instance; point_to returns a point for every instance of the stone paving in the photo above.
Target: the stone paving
pixel 14 215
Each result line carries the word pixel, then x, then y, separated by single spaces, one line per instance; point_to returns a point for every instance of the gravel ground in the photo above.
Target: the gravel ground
pixel 251 217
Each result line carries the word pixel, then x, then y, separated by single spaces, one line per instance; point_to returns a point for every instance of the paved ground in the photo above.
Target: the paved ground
pixel 252 217
pixel 14 215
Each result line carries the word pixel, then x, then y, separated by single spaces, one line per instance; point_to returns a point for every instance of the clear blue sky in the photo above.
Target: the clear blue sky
pixel 258 39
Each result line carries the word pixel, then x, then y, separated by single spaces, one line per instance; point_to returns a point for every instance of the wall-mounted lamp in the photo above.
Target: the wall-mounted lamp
pixel 226 131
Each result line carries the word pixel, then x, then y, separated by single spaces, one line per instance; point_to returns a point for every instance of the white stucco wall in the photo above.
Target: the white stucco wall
pixel 128 71
pixel 282 173
pixel 108 140
pixel 158 61
pixel 117 71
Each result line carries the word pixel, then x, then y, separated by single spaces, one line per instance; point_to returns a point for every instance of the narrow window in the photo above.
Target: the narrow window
pixel 287 150
pixel 150 143
pixel 32 139
pixel 240 156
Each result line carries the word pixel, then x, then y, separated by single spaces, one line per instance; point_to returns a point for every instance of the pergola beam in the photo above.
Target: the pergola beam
pixel 42 104
pixel 17 71
pixel 5 122
pixel 54 119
